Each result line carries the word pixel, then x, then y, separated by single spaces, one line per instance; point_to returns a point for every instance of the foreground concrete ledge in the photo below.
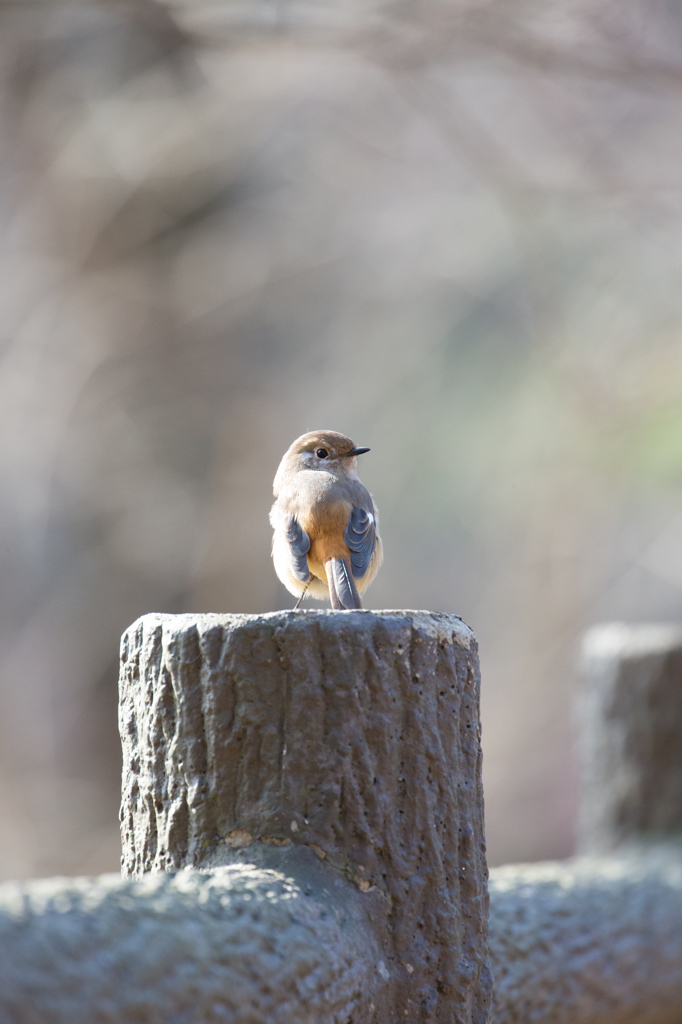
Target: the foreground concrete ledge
pixel 242 943
pixel 352 737
pixel 589 941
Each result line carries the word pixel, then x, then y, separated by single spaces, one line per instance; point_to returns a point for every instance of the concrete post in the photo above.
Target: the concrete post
pixel 256 923
pixel 340 749
pixel 631 733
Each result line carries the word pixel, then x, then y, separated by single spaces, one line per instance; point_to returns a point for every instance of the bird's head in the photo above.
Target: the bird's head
pixel 324 450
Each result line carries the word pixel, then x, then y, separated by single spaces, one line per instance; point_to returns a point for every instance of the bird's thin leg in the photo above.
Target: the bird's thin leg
pixel 303 593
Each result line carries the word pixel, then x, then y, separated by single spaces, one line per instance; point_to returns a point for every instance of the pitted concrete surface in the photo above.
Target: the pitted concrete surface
pixel 354 734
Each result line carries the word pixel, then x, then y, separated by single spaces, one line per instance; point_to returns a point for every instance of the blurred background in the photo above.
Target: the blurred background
pixel 448 228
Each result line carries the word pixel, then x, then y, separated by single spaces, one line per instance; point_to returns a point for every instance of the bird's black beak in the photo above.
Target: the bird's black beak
pixel 357 451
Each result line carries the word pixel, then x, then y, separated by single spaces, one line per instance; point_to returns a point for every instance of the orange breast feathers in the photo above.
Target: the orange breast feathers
pixel 326 524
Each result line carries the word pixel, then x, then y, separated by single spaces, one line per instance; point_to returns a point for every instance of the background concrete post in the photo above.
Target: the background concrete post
pixel 631 735
pixel 349 741
pixel 599 938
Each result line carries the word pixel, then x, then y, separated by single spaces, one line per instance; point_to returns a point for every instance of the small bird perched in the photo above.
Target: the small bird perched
pixel 326 539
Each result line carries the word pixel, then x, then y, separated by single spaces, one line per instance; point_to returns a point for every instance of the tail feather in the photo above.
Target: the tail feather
pixel 342 589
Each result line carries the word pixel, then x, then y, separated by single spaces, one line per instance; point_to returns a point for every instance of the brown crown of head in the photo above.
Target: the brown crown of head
pixel 330 440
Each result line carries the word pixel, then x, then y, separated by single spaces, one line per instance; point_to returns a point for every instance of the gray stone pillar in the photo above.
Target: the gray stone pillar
pixel 631 732
pixel 345 740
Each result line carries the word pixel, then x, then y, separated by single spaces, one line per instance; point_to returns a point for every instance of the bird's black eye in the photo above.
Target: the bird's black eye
pixel 322 453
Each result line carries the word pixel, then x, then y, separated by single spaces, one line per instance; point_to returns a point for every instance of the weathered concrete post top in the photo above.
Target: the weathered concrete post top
pixel 349 741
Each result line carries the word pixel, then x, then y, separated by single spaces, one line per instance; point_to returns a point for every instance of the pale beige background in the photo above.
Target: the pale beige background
pixel 450 230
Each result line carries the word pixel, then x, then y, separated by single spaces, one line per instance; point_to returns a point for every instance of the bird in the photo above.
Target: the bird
pixel 326 539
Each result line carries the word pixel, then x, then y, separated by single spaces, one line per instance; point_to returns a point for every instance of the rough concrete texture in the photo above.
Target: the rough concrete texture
pixel 589 940
pixel 631 732
pixel 355 734
pixel 241 944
